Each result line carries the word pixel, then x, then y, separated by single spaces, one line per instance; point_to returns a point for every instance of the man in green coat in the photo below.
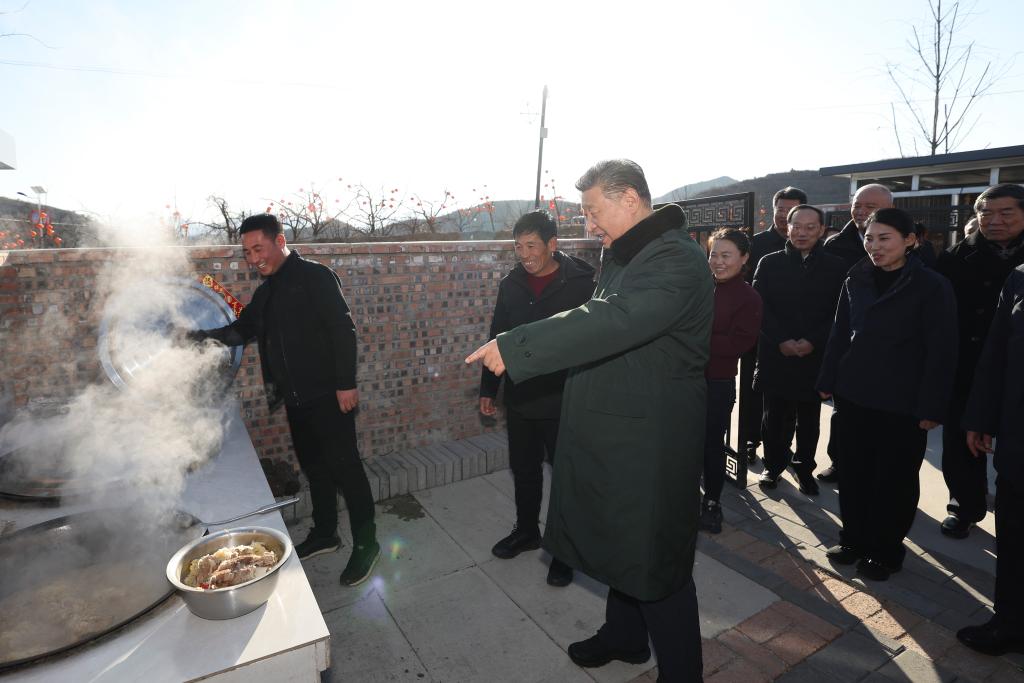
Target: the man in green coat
pixel 625 490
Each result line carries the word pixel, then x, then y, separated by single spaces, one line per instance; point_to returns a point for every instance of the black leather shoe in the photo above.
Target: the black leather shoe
pixel 360 564
pixel 842 554
pixel 993 638
pixel 559 573
pixel 710 519
pixel 592 652
pixel 316 544
pixel 767 481
pixel 875 570
pixel 807 484
pixel 516 542
pixel 751 453
pixel 829 475
pixel 954 527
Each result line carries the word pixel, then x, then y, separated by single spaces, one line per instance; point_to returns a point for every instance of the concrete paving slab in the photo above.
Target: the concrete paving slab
pixel 413 550
pixel 725 597
pixel 567 614
pixel 502 480
pixel 367 646
pixel 473 512
pixel 911 667
pixel 850 656
pixel 485 638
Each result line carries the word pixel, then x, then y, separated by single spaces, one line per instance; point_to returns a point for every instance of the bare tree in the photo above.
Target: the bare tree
pixel 22 35
pixel 427 213
pixel 229 222
pixel 461 219
pixel 949 73
pixel 373 213
pixel 308 210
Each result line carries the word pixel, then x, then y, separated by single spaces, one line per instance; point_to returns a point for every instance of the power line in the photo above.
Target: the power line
pixel 138 73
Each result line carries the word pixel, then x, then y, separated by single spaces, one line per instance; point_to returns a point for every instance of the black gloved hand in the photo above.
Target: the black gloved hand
pixel 181 336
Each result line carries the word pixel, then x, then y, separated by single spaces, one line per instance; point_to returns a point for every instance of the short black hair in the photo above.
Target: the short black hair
pixel 615 176
pixel 999 192
pixel 805 207
pixel 539 222
pixel 267 222
pixel 898 219
pixel 737 237
pixel 790 192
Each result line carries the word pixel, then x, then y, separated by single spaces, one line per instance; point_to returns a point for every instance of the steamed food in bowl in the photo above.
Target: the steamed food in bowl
pixel 230 566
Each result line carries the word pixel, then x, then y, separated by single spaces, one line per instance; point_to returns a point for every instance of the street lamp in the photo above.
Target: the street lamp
pixel 540 152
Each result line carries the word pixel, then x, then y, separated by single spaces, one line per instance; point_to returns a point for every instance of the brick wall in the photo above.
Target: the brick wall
pixel 419 309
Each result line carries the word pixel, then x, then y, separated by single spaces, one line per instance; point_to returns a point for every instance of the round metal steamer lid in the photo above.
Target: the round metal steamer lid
pixel 152 318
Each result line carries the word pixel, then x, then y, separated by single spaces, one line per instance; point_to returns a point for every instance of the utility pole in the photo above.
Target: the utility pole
pixel 540 153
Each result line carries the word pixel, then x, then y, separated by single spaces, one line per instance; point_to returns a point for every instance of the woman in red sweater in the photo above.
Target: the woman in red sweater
pixel 736 327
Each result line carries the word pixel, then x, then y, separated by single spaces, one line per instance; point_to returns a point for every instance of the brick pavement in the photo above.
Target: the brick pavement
pixel 830 624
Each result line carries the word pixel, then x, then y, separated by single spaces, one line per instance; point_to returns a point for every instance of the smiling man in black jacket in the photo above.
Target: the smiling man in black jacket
pixel 544 282
pixel 307 344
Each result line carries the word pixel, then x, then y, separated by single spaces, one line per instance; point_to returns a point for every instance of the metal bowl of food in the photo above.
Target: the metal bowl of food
pixel 231 572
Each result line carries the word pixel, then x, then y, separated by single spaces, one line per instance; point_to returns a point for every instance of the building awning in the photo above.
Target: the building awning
pixel 978 158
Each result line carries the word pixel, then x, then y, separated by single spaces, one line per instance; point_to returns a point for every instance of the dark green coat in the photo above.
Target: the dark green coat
pixel 625 492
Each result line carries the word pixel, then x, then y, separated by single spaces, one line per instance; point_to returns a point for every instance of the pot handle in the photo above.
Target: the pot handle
pixel 260 511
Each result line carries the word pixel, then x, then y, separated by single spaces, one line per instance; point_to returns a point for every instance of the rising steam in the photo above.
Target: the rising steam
pixel 141 439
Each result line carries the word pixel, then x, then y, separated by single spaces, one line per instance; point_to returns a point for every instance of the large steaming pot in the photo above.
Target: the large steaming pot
pixel 150 316
pixel 71 579
pixel 233 601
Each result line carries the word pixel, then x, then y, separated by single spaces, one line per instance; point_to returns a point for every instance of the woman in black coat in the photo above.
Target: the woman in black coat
pixel 889 365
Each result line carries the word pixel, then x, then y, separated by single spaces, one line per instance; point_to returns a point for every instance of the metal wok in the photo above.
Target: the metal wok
pixel 41 473
pixel 75 578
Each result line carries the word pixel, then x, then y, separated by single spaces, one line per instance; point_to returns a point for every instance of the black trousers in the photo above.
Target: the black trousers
pixel 721 398
pixel 966 476
pixel 751 405
pixel 782 418
pixel 882 456
pixel 672 624
pixel 528 441
pixel 833 438
pixel 1009 600
pixel 325 445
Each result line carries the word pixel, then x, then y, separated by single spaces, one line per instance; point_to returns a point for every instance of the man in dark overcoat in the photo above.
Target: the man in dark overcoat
pixel 751 408
pixel 799 287
pixel 977 267
pixel 995 410
pixel 849 246
pixel 625 492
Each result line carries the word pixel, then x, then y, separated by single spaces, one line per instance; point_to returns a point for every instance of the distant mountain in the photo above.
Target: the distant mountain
pixel 694 189
pixel 500 215
pixel 820 189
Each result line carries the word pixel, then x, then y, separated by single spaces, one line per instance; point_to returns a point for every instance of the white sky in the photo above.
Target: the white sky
pixel 157 102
